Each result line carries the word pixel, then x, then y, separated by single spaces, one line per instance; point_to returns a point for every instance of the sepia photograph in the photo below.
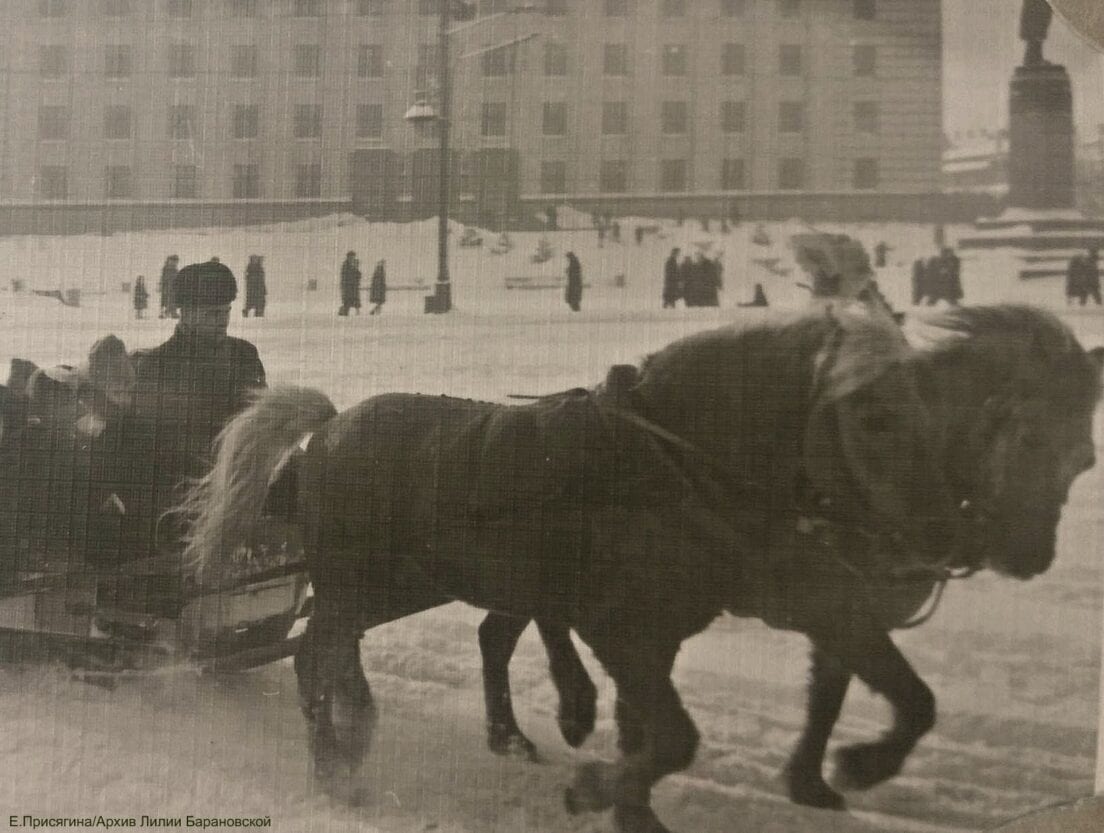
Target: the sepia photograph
pixel 561 416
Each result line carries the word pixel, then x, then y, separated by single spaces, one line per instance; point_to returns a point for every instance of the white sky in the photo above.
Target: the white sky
pixel 981 47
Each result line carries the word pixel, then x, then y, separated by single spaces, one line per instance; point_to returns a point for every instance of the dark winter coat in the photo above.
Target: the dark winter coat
pixel 672 281
pixel 255 289
pixel 573 294
pixel 141 296
pixel 377 290
pixel 350 283
pixel 919 280
pixel 168 279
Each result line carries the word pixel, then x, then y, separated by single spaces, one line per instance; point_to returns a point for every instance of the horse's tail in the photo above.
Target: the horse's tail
pixel 222 508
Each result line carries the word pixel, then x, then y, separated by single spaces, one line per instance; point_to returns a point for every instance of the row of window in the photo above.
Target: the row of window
pixel 53 60
pixel 861 9
pixel 53 120
pixel 613 178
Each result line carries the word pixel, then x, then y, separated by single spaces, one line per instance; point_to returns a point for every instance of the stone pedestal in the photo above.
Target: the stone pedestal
pixel 1040 153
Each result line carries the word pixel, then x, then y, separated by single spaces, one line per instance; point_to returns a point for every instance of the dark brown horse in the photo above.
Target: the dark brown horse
pixel 634 521
pixel 1013 396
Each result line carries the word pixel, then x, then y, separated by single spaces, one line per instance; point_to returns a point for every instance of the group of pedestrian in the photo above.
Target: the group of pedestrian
pixel 937 279
pixel 1083 278
pixel 256 292
pixel 350 286
pixel 696 282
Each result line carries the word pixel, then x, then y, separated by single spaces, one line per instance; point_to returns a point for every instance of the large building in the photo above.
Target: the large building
pixel 648 105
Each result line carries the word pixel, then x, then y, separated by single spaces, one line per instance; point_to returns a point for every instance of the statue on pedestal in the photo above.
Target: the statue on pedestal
pixel 1035 18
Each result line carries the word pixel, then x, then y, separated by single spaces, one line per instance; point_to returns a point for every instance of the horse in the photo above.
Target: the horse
pixel 1013 396
pixel 635 523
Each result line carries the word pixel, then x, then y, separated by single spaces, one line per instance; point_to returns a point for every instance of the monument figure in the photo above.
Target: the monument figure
pixel 1035 18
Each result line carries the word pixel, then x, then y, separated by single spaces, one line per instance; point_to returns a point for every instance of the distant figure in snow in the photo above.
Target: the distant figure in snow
pixel 168 278
pixel 672 280
pixel 377 289
pixel 759 299
pixel 1083 278
pixel 256 293
pixel 350 284
pixel 573 293
pixel 880 252
pixel 141 296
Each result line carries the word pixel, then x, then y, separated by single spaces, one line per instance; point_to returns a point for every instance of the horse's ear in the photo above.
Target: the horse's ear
pixel 20 373
pixel 1097 357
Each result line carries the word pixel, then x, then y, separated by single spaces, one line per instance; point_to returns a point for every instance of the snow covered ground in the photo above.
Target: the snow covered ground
pixel 1014 666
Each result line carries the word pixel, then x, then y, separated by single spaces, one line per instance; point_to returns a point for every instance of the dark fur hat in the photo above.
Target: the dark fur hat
pixel 205 284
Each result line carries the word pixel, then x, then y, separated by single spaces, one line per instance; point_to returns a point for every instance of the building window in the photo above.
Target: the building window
pixel 733 59
pixel 867 117
pixel 181 60
pixel 789 8
pixel 791 117
pixel 673 117
pixel 179 8
pixel 733 175
pixel 53 182
pixel 308 8
pixel 243 61
pixel 308 60
pixel 864 9
pixel 116 8
pixel 615 59
pixel 733 117
pixel 864 59
pixel 553 178
pixel 494 118
pixel 674 59
pixel 308 180
pixel 243 8
pixel 53 61
pixel 555 59
pixel 617 8
pixel 865 175
pixel 184 186
pixel 613 177
pixel 791 174
pixel 370 61
pixel 247 182
pixel 672 175
pixel 673 8
pixel 732 8
pixel 117 61
pixel 555 8
pixel 53 122
pixel 118 182
pixel 181 121
pixel 369 124
pixel 246 122
pixel 308 121
pixel 615 118
pixel 117 122
pixel 370 8
pixel 497 63
pixel 52 8
pixel 554 122
pixel 789 59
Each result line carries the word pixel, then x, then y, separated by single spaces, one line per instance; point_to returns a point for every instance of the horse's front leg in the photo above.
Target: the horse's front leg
pixel 317 665
pixel 828 681
pixel 498 636
pixel 874 659
pixel 663 737
pixel 578 695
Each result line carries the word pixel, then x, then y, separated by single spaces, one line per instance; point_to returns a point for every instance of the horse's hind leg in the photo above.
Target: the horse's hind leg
pixel 498 636
pixel 578 695
pixel 805 782
pixel 875 660
pixel 665 738
pixel 354 705
pixel 317 665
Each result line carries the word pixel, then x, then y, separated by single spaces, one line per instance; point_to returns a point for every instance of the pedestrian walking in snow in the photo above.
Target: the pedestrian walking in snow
pixel 672 280
pixel 141 297
pixel 377 289
pixel 573 293
pixel 350 284
pixel 256 293
pixel 165 289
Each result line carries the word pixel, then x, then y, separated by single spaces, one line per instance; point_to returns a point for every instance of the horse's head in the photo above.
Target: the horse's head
pixel 869 442
pixel 1019 394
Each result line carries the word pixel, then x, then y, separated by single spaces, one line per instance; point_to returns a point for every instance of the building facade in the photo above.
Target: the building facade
pixel 646 102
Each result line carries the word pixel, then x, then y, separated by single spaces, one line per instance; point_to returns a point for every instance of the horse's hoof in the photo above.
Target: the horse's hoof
pixel 588 793
pixel 577 716
pixel 513 745
pixel 575 732
pixel 813 791
pixel 636 819
pixel 865 765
